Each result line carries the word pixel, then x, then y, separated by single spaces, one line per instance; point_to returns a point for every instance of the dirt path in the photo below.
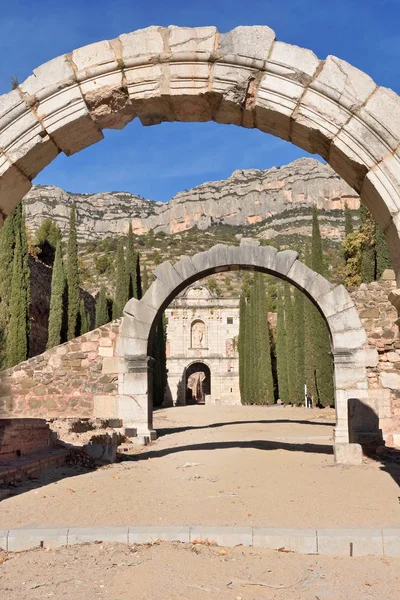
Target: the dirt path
pixel 269 466
pixel 173 571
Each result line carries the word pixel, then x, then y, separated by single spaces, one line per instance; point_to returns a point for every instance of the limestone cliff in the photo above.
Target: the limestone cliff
pixel 245 198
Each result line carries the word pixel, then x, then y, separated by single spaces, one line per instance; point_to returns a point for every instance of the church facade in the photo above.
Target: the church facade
pixel 202 348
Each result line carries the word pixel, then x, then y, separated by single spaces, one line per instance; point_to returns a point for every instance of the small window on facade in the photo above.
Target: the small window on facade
pixel 229 320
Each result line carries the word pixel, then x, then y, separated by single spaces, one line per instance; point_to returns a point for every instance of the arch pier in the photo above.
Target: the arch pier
pixel 350 350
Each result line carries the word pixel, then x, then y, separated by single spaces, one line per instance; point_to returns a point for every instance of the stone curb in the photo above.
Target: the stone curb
pixel 336 542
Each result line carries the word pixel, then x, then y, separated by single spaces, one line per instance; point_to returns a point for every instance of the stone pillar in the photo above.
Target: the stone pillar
pixel 135 400
pixel 347 376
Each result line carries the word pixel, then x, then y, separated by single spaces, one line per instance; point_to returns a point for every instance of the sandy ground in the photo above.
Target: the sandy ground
pixel 172 571
pixel 270 466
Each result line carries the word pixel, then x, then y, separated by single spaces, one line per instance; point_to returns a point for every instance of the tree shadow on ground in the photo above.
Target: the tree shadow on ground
pixel 162 431
pixel 252 444
pixel 388 460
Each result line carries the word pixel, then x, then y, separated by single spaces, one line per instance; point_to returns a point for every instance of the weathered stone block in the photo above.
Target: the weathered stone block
pixel 350 542
pixel 296 540
pixel 347 454
pixel 25 539
pixel 390 380
pixel 247 45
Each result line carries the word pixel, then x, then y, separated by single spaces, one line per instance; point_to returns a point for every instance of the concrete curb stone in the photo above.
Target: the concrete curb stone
pixel 152 533
pixel 391 542
pixel 223 536
pixel 25 539
pixel 336 542
pixel 78 535
pixel 365 542
pixel 296 540
pixel 3 540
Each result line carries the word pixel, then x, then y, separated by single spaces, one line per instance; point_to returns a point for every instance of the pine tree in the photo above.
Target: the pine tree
pixel 56 301
pixel 72 277
pixel 121 291
pixel 348 221
pixel 17 338
pixel 101 308
pixel 281 358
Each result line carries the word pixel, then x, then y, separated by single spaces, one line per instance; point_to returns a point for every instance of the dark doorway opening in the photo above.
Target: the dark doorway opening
pixel 197 383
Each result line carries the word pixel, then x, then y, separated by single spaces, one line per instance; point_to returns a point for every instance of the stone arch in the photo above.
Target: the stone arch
pixel 348 337
pixel 244 77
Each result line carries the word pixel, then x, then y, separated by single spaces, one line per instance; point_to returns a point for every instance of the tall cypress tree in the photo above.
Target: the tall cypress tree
pixel 17 338
pixel 56 300
pixel 101 308
pixel 264 390
pixel 368 247
pixel 281 358
pixel 241 346
pixel 72 277
pixel 139 287
pixel 131 261
pixel 323 367
pixel 83 318
pixel 382 254
pixel 348 221
pixel 160 365
pixel 121 291
pixel 7 245
pixel 290 345
pixel 145 279
pixel 299 339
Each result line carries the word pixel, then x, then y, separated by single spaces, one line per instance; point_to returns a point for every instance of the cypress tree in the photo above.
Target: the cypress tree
pixel 83 318
pixel 7 244
pixel 139 290
pixel 264 390
pixel 160 366
pixel 72 277
pixel 145 279
pixel 241 346
pixel 299 339
pixel 368 247
pixel 348 221
pixel 382 255
pixel 281 358
pixel 56 300
pixel 322 383
pixel 251 372
pixel 121 291
pixel 101 308
pixel 131 265
pixel 17 338
pixel 290 345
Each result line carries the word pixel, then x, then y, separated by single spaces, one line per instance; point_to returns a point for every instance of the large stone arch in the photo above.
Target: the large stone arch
pixel 348 337
pixel 244 77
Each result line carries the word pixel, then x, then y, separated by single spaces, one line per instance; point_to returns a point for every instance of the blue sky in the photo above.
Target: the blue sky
pixel 157 162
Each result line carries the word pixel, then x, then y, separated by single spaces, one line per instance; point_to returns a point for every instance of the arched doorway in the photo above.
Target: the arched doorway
pixel 197 383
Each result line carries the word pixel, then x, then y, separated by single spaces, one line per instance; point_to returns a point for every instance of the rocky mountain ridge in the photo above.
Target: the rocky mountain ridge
pixel 245 198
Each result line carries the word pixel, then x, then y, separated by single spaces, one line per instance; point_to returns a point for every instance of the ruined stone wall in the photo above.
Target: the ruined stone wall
pixel 378 317
pixel 63 381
